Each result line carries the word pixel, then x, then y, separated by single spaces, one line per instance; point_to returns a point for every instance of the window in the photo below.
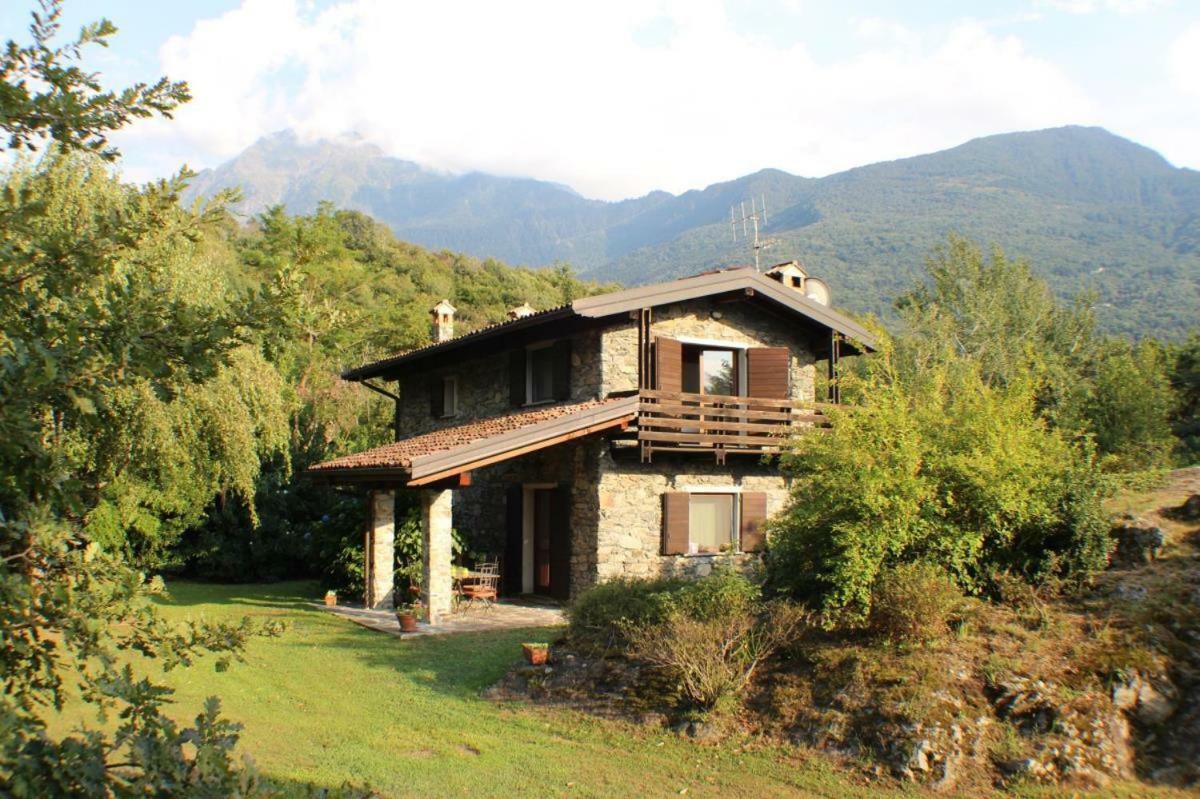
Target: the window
pixel 709 370
pixel 539 374
pixel 449 396
pixel 706 521
pixel 443 397
pixel 710 523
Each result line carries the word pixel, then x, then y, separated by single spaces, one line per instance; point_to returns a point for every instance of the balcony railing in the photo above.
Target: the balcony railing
pixel 672 421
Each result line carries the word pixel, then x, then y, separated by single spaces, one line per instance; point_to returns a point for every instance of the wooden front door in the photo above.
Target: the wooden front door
pixel 543 528
pixel 538 548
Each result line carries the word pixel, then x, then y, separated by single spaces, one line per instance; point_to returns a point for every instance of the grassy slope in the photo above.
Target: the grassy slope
pixel 330 702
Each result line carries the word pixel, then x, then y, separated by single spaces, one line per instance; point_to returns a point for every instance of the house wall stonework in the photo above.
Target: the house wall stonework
pixel 483 388
pixel 629 494
pixel 739 323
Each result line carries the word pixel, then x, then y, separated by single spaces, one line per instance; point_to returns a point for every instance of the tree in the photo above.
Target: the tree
pixel 97 317
pixel 993 311
pixel 44 94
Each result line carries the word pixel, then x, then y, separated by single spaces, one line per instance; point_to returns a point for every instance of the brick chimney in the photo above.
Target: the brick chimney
pixel 443 321
pixel 521 311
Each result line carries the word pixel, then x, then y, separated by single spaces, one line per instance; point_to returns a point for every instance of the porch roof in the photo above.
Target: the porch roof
pixel 440 454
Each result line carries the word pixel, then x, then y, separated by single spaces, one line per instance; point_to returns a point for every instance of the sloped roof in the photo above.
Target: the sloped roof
pixel 452 450
pixel 617 302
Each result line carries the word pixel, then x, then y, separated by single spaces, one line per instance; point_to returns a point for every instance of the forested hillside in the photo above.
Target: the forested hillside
pixel 1089 209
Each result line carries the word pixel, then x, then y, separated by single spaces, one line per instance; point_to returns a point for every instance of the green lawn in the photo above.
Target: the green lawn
pixel 329 702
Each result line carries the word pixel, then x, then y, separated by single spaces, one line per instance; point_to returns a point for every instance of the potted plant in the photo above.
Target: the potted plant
pixel 536 654
pixel 406 614
pixel 330 598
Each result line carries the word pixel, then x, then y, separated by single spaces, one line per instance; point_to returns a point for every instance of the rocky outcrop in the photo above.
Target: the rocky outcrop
pixel 1138 541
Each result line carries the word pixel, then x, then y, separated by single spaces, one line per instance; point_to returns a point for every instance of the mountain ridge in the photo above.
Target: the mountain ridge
pixel 1088 208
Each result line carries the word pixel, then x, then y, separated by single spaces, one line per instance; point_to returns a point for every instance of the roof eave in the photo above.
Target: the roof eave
pixel 382 367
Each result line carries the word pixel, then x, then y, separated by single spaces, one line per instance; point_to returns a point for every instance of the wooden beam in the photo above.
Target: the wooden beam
pixel 461 480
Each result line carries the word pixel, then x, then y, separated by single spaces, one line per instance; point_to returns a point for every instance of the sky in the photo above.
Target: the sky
pixel 618 98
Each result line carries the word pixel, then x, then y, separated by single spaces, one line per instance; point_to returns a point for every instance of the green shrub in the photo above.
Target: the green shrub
pixel 913 602
pixel 939 467
pixel 716 656
pixel 723 593
pixel 601 618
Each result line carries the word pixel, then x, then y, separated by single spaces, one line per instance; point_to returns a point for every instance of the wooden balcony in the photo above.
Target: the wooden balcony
pixel 721 425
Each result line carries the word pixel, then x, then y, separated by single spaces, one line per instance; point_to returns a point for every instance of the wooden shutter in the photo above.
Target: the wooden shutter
pixel 514 539
pixel 754 514
pixel 437 397
pixel 676 510
pixel 562 369
pixel 516 377
pixel 668 364
pixel 768 369
pixel 560 542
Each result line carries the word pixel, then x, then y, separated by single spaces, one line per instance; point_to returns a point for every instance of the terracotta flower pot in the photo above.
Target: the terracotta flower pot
pixel 408 622
pixel 331 599
pixel 536 654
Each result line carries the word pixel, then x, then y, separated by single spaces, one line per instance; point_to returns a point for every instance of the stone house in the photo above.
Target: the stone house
pixel 625 434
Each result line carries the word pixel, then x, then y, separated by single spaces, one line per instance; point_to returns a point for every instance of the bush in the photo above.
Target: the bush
pixel 716 657
pixel 913 602
pixel 941 468
pixel 601 618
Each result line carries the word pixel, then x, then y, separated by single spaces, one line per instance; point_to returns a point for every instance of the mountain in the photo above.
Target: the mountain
pixel 1089 209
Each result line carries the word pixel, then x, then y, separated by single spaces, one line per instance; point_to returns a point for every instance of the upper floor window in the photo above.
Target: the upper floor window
pixel 717 368
pixel 540 373
pixel 708 370
pixel 443 397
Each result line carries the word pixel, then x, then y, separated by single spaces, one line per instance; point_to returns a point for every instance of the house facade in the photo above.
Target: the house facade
pixel 627 434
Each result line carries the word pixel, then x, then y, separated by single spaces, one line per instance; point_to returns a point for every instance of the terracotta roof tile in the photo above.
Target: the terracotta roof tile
pixel 400 454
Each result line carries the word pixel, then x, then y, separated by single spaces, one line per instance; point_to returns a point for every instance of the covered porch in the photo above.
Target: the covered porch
pixel 438 465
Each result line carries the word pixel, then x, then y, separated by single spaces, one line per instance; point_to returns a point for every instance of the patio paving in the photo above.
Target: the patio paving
pixel 504 615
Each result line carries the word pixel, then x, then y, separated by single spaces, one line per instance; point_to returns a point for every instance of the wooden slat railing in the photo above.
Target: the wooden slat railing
pixel 721 424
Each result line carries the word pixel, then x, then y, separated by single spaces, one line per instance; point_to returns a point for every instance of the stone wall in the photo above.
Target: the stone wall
pixel 739 323
pixel 629 529
pixel 483 386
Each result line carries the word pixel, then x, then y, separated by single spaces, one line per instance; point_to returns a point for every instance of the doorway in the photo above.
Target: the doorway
pixel 541 502
pixel 545 540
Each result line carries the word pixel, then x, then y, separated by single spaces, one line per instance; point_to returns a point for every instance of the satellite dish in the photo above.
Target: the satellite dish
pixel 816 290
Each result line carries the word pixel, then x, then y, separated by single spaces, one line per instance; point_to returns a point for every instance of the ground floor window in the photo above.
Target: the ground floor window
pixel 711 523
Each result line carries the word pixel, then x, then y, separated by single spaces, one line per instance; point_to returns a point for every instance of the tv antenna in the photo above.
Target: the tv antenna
pixel 750 222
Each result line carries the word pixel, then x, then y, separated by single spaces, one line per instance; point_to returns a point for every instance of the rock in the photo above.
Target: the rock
pixel 918 760
pixel 1190 509
pixel 1020 767
pixel 1129 592
pixel 1141 699
pixel 703 731
pixel 1138 542
pixel 1027 704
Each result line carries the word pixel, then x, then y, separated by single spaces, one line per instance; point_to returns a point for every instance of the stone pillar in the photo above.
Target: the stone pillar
pixel 381 559
pixel 436 524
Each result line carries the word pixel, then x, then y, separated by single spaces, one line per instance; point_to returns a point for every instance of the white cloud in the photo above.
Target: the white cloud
pixel 1119 6
pixel 1183 61
pixel 565 92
